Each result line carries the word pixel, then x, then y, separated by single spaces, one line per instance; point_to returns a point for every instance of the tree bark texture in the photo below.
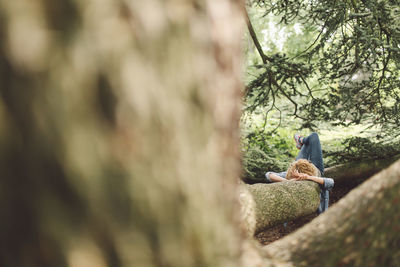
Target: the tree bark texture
pixel 119 132
pixel 356 172
pixel 281 202
pixel 362 229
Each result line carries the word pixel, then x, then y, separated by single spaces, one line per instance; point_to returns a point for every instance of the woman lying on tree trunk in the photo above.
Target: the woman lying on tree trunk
pixel 309 165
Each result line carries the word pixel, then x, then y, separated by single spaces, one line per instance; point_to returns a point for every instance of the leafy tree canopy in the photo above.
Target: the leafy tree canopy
pixel 347 74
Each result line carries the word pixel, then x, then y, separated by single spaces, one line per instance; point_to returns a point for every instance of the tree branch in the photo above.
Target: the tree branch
pixel 253 35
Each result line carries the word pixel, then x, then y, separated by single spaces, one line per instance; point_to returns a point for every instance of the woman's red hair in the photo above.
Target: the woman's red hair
pixel 302 166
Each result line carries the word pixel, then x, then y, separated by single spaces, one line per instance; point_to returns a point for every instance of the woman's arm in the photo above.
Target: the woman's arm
pixel 302 176
pixel 273 177
pixel 316 179
pixel 276 178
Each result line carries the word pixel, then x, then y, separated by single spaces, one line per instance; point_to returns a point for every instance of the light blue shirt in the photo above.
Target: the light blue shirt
pixel 323 195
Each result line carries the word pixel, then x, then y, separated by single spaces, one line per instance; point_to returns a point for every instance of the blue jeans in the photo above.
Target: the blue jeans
pixel 312 151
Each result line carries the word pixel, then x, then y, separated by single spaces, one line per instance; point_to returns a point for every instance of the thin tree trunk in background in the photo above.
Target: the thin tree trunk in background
pixel 253 35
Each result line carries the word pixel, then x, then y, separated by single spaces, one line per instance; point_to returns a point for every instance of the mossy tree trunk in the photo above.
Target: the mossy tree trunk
pixel 276 203
pixel 119 132
pixel 356 172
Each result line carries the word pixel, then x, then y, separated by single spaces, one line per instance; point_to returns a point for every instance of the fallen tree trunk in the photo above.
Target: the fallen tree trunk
pixel 355 171
pixel 361 229
pixel 280 202
pixel 347 172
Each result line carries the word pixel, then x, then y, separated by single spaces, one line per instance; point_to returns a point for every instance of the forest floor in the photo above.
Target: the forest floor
pixel 279 231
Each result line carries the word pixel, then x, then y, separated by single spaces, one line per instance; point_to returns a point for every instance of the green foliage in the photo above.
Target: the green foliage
pixel 266 150
pixel 343 69
pixel 280 77
pixel 360 148
pixel 338 65
pixel 256 163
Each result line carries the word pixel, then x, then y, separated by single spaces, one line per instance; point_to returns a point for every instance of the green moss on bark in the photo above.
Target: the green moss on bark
pixel 280 202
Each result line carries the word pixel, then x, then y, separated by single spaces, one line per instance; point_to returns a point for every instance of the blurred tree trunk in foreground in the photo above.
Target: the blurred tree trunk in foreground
pixel 119 136
pixel 119 132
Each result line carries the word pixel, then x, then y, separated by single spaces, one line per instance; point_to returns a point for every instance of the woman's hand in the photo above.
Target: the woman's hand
pixel 297 176
pixel 300 176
